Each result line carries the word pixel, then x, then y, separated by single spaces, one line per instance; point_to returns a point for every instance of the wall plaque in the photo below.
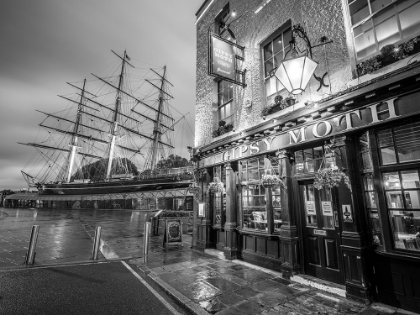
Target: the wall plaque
pixel 347 215
pixel 320 232
pixel 327 208
pixel 310 207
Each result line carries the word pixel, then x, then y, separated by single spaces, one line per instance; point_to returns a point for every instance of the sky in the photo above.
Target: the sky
pixel 46 43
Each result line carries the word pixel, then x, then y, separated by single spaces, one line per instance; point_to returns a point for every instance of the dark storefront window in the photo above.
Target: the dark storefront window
pixel 370 194
pixel 400 144
pixel 254 196
pixel 309 160
pixel 218 198
pixel 402 190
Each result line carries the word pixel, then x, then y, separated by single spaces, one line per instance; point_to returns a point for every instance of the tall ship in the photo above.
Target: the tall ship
pixel 115 137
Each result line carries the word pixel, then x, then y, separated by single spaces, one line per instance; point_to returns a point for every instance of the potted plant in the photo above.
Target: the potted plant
pixel 216 186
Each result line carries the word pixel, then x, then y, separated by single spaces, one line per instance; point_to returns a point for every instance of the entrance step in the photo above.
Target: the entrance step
pixel 313 282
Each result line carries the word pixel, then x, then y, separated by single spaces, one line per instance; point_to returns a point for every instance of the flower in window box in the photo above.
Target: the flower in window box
pixel 215 133
pixel 268 179
pixel 222 123
pixel 330 177
pixel 216 186
pixel 228 127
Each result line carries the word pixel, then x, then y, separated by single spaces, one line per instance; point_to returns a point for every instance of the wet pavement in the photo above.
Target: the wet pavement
pixel 66 236
pixel 200 282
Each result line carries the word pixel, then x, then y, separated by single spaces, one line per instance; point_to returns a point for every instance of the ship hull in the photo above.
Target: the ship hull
pixel 110 187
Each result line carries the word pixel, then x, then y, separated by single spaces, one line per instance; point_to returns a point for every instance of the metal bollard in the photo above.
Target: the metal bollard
pixel 30 255
pixel 147 228
pixel 96 243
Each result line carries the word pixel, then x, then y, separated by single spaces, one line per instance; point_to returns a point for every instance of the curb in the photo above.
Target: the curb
pixel 179 298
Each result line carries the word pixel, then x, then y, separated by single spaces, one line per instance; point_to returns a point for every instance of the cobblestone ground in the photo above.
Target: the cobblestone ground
pixel 67 235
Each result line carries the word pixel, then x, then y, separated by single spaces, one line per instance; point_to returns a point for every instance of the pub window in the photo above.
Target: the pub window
pixel 309 160
pixel 220 21
pixel 402 191
pixel 219 199
pixel 376 23
pixel 225 101
pixel 254 197
pixel 273 52
pixel 370 195
pixel 399 144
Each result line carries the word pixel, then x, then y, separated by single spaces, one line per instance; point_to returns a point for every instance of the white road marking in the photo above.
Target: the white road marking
pixel 159 297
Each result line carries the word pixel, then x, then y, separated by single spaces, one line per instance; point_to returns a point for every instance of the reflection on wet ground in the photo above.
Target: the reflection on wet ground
pixel 67 235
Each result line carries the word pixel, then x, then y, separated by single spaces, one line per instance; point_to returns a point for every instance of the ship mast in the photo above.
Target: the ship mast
pixel 156 131
pixel 75 134
pixel 114 126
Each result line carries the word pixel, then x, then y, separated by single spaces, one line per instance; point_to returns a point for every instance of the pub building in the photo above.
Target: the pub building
pixel 265 142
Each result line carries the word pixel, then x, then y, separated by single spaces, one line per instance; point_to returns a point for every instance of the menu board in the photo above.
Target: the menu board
pixel 173 233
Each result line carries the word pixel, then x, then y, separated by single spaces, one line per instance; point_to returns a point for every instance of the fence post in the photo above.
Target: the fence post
pixel 96 243
pixel 147 228
pixel 30 255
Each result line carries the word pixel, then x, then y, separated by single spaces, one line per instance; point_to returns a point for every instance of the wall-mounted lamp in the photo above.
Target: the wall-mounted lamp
pixel 294 73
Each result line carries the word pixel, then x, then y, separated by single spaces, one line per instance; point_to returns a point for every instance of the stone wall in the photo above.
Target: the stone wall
pixel 318 17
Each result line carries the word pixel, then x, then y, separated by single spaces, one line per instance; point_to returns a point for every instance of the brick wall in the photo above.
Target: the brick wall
pixel 318 17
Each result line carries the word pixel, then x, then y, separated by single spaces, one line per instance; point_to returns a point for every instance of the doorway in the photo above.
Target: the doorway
pixel 321 233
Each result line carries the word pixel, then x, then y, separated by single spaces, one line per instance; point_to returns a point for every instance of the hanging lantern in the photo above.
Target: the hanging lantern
pixel 295 73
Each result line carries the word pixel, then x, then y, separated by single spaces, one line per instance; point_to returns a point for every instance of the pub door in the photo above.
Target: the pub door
pixel 321 233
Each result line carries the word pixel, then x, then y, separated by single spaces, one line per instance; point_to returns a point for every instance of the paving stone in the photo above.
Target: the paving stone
pixel 223 284
pixel 267 285
pixel 212 305
pixel 251 307
pixel 230 299
pixel 246 292
pixel 200 290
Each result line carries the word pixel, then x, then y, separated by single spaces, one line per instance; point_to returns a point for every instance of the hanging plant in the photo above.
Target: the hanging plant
pixel 195 190
pixel 331 176
pixel 268 179
pixel 216 186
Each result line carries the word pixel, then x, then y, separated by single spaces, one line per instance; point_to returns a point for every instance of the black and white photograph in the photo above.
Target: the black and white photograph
pixel 210 157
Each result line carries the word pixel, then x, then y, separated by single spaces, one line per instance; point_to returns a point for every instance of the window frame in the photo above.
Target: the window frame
pixel 266 78
pixel 370 19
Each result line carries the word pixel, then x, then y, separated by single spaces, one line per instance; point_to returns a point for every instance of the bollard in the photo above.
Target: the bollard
pixel 96 243
pixel 30 255
pixel 147 228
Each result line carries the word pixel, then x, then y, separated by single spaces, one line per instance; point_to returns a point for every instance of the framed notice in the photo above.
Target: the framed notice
pixel 173 233
pixel 201 208
pixel 310 207
pixel 347 214
pixel 327 208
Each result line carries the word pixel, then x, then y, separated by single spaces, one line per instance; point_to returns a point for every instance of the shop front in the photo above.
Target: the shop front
pixel 363 232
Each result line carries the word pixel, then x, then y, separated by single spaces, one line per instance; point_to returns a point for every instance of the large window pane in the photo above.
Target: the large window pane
pixel 406 225
pixel 394 199
pixel 365 44
pixel 387 32
pixel 407 142
pixel 412 199
pixel 410 179
pixel 359 10
pixel 409 19
pixel 377 5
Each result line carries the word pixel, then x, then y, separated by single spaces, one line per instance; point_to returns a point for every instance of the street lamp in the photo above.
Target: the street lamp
pixel 294 73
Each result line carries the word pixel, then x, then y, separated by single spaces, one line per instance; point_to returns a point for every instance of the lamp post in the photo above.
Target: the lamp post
pixel 294 73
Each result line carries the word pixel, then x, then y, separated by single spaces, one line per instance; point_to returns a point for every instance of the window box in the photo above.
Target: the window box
pixel 222 130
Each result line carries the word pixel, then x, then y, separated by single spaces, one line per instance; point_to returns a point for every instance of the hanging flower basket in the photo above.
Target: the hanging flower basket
pixel 268 179
pixel 195 190
pixel 216 186
pixel 331 176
